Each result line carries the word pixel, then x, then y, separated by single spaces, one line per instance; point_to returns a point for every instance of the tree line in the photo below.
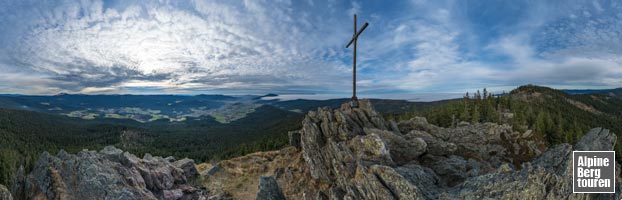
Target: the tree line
pixel 24 135
pixel 551 114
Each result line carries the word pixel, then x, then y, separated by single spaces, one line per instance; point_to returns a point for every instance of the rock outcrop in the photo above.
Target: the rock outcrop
pixel 547 177
pixel 350 149
pixel 110 174
pixel 344 150
pixel 353 153
pixel 345 153
pixel 483 141
pixel 269 189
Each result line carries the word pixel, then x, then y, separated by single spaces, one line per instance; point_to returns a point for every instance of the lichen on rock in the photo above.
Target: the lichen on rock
pixel 110 174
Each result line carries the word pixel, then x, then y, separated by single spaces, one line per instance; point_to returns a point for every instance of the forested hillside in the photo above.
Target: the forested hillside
pixel 205 139
pixel 555 115
pixel 24 135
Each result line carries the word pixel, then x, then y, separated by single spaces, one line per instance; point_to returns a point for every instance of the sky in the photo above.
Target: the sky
pixel 298 47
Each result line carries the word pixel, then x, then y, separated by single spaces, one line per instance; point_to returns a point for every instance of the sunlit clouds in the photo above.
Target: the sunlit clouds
pixel 258 47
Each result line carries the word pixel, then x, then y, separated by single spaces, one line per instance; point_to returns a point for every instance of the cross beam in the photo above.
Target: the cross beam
pixel 354 102
pixel 356 35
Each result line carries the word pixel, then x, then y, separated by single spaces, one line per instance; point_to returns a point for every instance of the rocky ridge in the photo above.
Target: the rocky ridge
pixel 109 174
pixel 353 153
pixel 345 153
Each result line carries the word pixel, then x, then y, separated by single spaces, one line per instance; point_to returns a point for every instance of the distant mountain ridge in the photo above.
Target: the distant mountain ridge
pixel 149 108
pixel 593 91
pixel 142 108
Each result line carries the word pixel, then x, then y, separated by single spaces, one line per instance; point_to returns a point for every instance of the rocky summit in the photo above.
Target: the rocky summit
pixel 353 153
pixel 345 153
pixel 109 174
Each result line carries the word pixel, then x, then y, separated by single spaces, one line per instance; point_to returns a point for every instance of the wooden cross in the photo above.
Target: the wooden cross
pixel 354 102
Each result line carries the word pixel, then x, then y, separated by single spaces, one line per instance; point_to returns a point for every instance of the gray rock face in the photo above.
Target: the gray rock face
pixel 352 153
pixel 423 178
pixel 402 149
pixel 110 174
pixel 188 167
pixel 269 189
pixel 370 148
pixel 597 139
pixel 352 149
pixel 5 194
pixel 435 146
pixel 547 177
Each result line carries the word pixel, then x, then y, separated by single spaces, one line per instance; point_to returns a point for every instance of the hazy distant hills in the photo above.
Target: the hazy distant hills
pixel 222 108
pixel 612 92
pixel 142 108
pixel 174 108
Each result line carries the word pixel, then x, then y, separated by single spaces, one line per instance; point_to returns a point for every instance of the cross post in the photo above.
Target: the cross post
pixel 354 102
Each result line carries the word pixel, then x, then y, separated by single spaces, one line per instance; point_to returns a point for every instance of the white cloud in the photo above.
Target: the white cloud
pixel 289 46
pixel 216 44
pixel 445 58
pixel 355 9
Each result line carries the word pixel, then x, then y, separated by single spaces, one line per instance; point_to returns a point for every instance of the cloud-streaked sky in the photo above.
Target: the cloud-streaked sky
pixel 255 47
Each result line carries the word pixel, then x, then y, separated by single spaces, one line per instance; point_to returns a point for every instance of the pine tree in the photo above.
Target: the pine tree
pixel 475 118
pixel 540 124
pixel 559 129
pixel 464 113
pixel 478 97
pixel 550 129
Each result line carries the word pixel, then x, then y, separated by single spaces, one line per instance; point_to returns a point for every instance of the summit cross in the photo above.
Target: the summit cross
pixel 354 102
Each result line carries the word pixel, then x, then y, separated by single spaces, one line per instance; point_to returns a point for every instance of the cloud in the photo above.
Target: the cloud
pixel 257 47
pixel 461 46
pixel 355 9
pixel 199 44
pixel 574 69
